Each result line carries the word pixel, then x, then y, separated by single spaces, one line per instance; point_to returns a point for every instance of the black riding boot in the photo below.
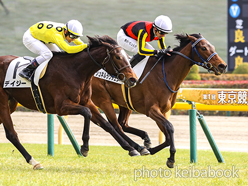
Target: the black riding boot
pixel 136 59
pixel 28 71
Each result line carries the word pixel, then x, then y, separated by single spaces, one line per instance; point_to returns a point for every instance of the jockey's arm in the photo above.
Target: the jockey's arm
pixel 161 44
pixel 141 41
pixel 68 48
pixel 78 41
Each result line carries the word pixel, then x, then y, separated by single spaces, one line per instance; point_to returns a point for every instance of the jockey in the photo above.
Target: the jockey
pixel 44 37
pixel 133 37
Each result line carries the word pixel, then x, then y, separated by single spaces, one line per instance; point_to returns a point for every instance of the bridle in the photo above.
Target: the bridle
pixel 204 63
pixel 106 60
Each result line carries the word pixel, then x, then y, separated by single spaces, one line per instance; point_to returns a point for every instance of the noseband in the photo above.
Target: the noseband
pixel 106 60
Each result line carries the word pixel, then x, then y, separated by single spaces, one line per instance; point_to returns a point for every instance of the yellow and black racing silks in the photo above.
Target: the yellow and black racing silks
pixel 51 32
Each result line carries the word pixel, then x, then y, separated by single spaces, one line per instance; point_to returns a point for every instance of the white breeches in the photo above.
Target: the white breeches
pixel 129 43
pixel 38 47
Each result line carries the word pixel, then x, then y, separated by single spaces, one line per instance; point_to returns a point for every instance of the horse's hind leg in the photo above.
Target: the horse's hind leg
pixel 11 134
pixel 100 121
pixel 109 111
pixel 123 121
pixel 12 105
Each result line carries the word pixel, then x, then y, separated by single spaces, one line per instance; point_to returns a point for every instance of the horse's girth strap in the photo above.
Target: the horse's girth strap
pixel 127 97
pixel 37 95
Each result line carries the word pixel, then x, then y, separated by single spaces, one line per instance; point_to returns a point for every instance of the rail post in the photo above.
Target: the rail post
pixel 50 134
pixel 69 134
pixel 193 141
pixel 210 139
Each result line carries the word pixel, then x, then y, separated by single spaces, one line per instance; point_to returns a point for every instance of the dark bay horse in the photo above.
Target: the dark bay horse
pixel 66 89
pixel 156 95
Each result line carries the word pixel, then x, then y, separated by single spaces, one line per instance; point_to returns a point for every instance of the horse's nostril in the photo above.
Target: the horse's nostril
pixel 133 80
pixel 222 67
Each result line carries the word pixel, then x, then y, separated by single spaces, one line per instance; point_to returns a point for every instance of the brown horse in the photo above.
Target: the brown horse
pixel 66 89
pixel 157 93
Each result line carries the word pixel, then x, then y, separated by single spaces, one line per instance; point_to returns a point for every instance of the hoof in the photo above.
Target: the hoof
pixel 84 152
pixel 144 152
pixel 148 145
pixel 170 164
pixel 38 167
pixel 134 153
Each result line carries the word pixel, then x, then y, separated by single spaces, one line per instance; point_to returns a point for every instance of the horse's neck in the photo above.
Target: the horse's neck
pixel 180 67
pixel 86 62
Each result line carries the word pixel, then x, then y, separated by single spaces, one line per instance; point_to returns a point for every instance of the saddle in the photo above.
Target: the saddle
pixel 13 80
pixel 138 69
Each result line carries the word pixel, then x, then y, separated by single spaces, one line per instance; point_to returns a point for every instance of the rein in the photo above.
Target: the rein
pixel 106 60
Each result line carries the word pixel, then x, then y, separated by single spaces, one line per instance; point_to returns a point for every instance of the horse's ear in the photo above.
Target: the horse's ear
pixel 192 38
pixel 89 38
pixel 107 44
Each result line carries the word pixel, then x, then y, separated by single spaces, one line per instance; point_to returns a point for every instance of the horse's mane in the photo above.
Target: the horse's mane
pixel 184 40
pixel 97 41
pixel 61 53
pixel 93 42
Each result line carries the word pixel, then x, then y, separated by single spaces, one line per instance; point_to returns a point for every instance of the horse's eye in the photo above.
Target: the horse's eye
pixel 204 48
pixel 117 57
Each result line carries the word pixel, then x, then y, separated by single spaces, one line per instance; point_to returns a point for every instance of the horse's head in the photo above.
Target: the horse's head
pixel 206 53
pixel 116 62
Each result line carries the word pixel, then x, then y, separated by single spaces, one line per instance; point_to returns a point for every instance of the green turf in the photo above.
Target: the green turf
pixel 99 17
pixel 112 166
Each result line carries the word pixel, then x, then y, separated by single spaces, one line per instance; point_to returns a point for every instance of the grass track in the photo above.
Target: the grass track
pixel 112 166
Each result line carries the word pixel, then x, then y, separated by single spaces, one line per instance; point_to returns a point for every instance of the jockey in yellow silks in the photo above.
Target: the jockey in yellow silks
pixel 44 37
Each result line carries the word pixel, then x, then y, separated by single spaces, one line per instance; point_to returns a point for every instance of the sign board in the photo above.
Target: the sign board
pixel 234 97
pixel 237 33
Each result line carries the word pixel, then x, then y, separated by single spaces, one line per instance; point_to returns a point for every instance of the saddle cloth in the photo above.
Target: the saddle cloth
pixel 12 78
pixel 138 69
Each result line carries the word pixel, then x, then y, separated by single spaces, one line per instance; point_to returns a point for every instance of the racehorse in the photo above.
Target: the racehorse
pixel 156 93
pixel 66 89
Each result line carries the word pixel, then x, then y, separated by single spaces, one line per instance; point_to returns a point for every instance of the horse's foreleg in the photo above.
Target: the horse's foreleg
pixel 86 136
pixel 70 108
pixel 167 128
pixel 100 121
pixel 123 121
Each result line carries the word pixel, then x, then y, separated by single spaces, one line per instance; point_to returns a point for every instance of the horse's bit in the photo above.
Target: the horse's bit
pixel 107 59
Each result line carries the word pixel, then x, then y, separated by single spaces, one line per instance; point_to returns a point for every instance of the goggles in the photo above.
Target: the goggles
pixel 72 36
pixel 161 32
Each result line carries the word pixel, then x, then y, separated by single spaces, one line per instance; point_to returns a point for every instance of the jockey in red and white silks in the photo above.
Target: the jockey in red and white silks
pixel 134 36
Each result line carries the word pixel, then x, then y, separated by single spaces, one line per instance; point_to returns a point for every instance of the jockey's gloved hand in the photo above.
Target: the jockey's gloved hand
pixel 164 51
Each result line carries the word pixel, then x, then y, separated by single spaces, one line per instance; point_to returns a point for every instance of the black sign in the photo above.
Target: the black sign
pixel 237 51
